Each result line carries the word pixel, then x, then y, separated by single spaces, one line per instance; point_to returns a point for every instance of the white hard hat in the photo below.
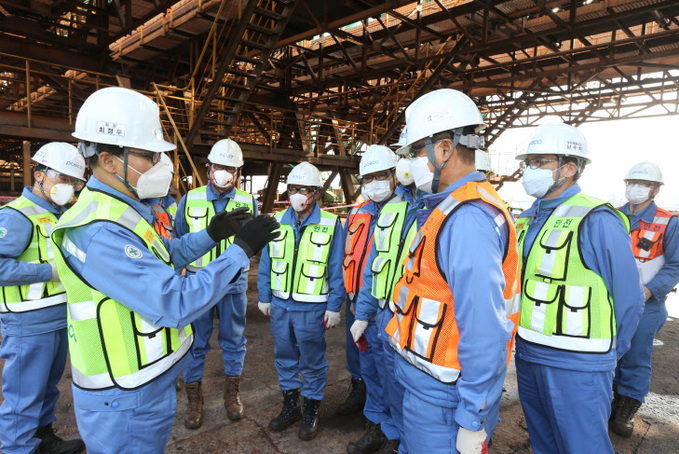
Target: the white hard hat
pixel 646 171
pixel 305 174
pixel 401 139
pixel 377 158
pixel 62 157
pixel 123 117
pixel 226 152
pixel 559 139
pixel 483 161
pixel 165 159
pixel 441 110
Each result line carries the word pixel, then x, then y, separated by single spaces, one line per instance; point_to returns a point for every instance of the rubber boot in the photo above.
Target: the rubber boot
pixel 232 403
pixel 355 400
pixel 370 442
pixel 52 444
pixel 290 413
pixel 309 427
pixel 389 447
pixel 194 417
pixel 623 423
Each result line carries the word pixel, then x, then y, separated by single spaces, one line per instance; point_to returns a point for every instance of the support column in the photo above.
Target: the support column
pixel 28 178
pixel 350 192
pixel 271 187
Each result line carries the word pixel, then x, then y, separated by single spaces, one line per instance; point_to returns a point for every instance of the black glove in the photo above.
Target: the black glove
pixel 226 224
pixel 254 235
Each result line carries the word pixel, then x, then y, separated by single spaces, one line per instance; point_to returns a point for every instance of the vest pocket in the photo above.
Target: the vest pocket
pixel 313 277
pixel 541 315
pixel 151 341
pixel 428 321
pixel 383 231
pixel 279 271
pixel 197 217
pixel 555 245
pixel 277 245
pixel 575 311
pixel 380 268
pixel 354 234
pixel 316 251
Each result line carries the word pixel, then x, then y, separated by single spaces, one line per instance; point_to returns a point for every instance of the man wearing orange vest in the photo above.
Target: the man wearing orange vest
pixel 655 243
pixel 450 325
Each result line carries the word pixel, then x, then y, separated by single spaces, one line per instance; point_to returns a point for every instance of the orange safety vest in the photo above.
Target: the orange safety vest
pixel 162 222
pixel 648 238
pixel 356 248
pixel 423 329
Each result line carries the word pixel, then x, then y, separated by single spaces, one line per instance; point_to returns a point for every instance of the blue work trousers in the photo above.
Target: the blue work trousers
pixel 376 408
pixel 33 367
pixel 299 350
pixel 393 394
pixel 129 428
pixel 231 312
pixel 633 374
pixel 353 359
pixel 566 411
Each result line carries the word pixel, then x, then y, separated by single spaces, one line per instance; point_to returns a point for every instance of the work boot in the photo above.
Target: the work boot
pixel 623 423
pixel 615 403
pixel 291 412
pixel 232 403
pixel 370 442
pixel 356 399
pixel 52 444
pixel 389 447
pixel 309 427
pixel 194 418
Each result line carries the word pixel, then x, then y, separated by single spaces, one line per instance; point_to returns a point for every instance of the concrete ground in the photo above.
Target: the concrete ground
pixel 656 430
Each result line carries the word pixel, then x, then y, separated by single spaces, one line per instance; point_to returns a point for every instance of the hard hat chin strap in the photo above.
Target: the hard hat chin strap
pixel 432 158
pixel 124 181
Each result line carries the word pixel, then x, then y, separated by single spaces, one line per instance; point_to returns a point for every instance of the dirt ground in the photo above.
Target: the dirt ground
pixel 656 430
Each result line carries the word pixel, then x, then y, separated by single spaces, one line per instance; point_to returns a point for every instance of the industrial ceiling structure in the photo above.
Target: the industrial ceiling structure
pixel 316 80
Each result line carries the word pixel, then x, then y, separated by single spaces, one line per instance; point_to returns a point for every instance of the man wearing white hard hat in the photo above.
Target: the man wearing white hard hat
pixel 129 313
pixel 581 298
pixel 393 231
pixel 655 244
pixel 449 326
pixel 301 288
pixel 197 208
pixel 483 164
pixel 33 304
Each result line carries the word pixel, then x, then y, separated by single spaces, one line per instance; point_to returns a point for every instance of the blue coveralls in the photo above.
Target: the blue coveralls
pixel 34 343
pixel 472 264
pixel 379 351
pixel 633 374
pixel 297 328
pixel 115 420
pixel 566 396
pixel 230 309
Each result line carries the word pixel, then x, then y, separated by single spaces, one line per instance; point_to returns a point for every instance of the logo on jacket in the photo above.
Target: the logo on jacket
pixel 3 232
pixel 133 252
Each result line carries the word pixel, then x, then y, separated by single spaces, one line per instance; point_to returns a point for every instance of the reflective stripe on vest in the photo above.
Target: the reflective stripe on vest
pixel 162 222
pixel 648 239
pixel 564 304
pixel 390 245
pixel 356 248
pixel 110 345
pixel 198 212
pixel 38 295
pixel 300 269
pixel 423 329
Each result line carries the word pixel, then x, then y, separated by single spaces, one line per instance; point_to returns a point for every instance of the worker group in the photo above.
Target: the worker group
pixel 441 285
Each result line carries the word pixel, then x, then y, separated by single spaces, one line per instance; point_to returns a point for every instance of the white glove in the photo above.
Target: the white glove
pixel 357 329
pixel 332 319
pixel 264 308
pixel 469 442
pixel 55 273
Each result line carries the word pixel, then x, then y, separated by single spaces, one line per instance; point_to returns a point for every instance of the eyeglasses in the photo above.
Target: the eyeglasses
pixel 535 163
pixel 644 183
pixel 148 155
pixel 303 190
pixel 414 150
pixel 381 176
pixel 231 170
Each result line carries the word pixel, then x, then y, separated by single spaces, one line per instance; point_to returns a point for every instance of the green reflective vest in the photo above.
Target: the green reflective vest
pixel 38 295
pixel 392 248
pixel 198 212
pixel 564 304
pixel 110 345
pixel 300 269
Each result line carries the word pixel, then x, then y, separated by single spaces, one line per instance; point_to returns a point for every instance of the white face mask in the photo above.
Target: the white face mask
pixel 299 202
pixel 154 183
pixel 377 190
pixel 637 194
pixel 61 193
pixel 222 179
pixel 422 176
pixel 536 182
pixel 404 173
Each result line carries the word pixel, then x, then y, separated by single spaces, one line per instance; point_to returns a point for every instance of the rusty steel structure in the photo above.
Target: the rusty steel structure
pixel 316 80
